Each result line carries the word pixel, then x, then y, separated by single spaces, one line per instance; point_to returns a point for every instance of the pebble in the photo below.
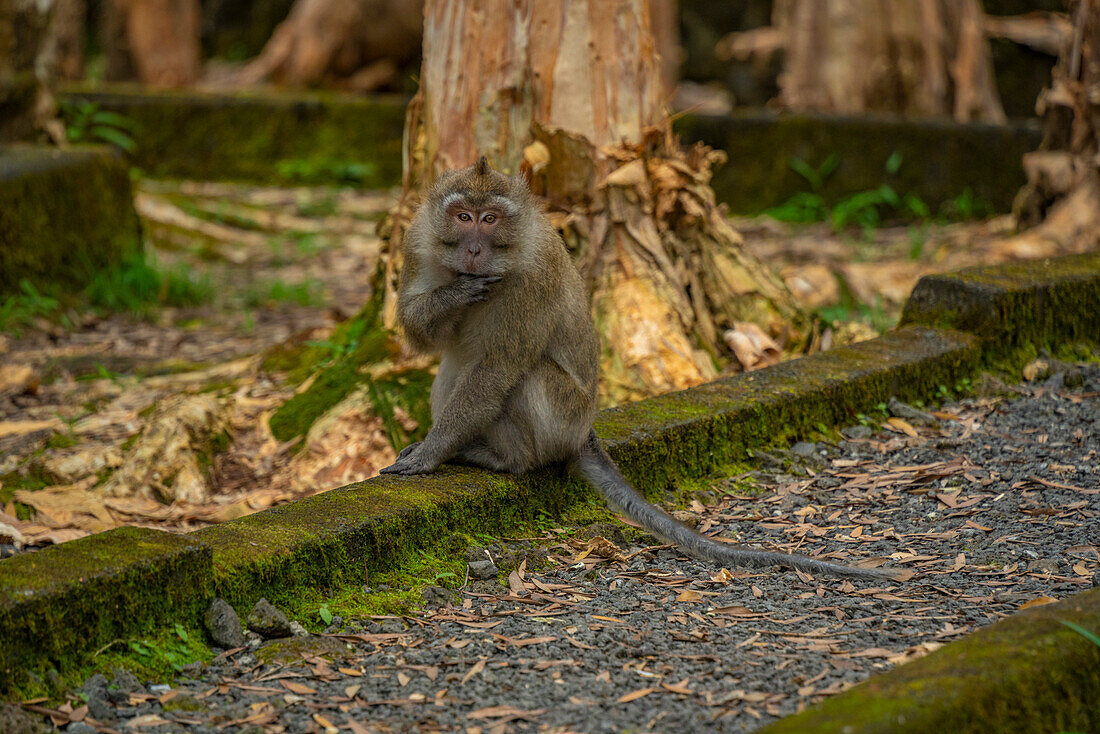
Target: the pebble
pixel 268 622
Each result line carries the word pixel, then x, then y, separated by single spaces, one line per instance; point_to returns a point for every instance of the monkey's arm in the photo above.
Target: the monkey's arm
pixel 476 401
pixel 430 316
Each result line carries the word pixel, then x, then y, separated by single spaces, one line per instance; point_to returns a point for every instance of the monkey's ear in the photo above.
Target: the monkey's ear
pixel 481 168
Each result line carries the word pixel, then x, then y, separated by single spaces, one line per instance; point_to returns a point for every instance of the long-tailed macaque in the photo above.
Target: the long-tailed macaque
pixel 489 285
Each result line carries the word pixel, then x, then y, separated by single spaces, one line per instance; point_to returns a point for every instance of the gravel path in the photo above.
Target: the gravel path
pixel 993 506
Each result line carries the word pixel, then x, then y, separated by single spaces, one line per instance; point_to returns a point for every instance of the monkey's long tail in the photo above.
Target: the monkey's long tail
pixel 597 467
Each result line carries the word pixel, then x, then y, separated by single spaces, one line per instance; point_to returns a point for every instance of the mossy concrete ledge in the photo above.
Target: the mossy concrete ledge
pixel 334 537
pixel 1027 673
pixel 60 604
pixel 63 214
pixel 1032 305
pixel 268 137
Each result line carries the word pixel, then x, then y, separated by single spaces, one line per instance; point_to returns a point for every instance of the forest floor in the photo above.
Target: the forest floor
pixel 240 269
pixel 989 506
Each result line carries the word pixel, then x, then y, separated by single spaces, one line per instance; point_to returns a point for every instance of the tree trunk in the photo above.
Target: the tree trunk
pixel 1061 201
pixel 570 94
pixel 27 71
pixel 66 38
pixel 163 36
pixel 356 43
pixel 921 57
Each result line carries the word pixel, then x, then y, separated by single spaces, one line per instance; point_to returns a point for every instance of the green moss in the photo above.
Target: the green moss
pixel 357 348
pixel 1026 673
pixel 184 702
pixel 61 441
pixel 61 604
pixel 65 216
pixel 1018 310
pixel 247 136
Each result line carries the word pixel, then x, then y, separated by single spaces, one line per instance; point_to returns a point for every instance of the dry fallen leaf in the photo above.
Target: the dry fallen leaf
pixel 635 695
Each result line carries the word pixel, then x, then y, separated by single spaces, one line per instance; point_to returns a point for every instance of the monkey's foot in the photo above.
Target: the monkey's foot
pixel 411 461
pixel 408 450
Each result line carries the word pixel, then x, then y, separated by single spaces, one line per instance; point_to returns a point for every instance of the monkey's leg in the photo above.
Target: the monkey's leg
pixel 480 455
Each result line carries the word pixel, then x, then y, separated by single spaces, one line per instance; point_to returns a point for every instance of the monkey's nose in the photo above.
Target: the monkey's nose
pixel 474 249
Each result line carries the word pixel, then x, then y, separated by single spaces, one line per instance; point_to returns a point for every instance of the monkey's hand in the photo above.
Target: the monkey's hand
pixel 469 288
pixel 412 460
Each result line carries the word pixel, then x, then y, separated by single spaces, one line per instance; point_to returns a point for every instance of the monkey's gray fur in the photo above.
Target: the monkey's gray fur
pixel 488 284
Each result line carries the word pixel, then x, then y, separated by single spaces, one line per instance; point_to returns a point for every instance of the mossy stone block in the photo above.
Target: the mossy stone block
pixel 60 604
pixel 1026 673
pixel 939 159
pixel 1046 303
pixel 282 138
pixel 64 214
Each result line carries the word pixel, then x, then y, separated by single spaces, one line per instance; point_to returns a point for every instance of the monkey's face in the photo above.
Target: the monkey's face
pixel 474 238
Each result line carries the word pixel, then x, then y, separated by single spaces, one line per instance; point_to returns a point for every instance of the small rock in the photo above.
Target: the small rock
pixel 858 432
pixel 1044 565
pixel 79 727
pixel 95 688
pixel 297 629
pixel 252 640
pixel 437 596
pixel 267 621
pixel 126 682
pixel 907 412
pixel 1057 381
pixel 15 720
pixel 767 460
pixel 478 554
pixel 192 670
pixel 482 569
pixel 804 449
pixel 335 626
pixel 159 688
pixel 223 625
pixel 7 551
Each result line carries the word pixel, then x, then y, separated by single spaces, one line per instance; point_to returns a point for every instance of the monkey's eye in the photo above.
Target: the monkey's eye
pixel 465 217
pixel 489 218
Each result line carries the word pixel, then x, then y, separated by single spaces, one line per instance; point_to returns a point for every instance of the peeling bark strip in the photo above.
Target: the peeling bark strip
pixel 570 93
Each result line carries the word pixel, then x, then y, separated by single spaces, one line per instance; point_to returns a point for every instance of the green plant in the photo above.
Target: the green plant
pixel 868 209
pixel 306 293
pixel 1087 634
pixel 324 171
pixel 22 308
pixel 966 206
pixel 918 236
pixel 137 286
pixel 86 122
pixel 324 613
